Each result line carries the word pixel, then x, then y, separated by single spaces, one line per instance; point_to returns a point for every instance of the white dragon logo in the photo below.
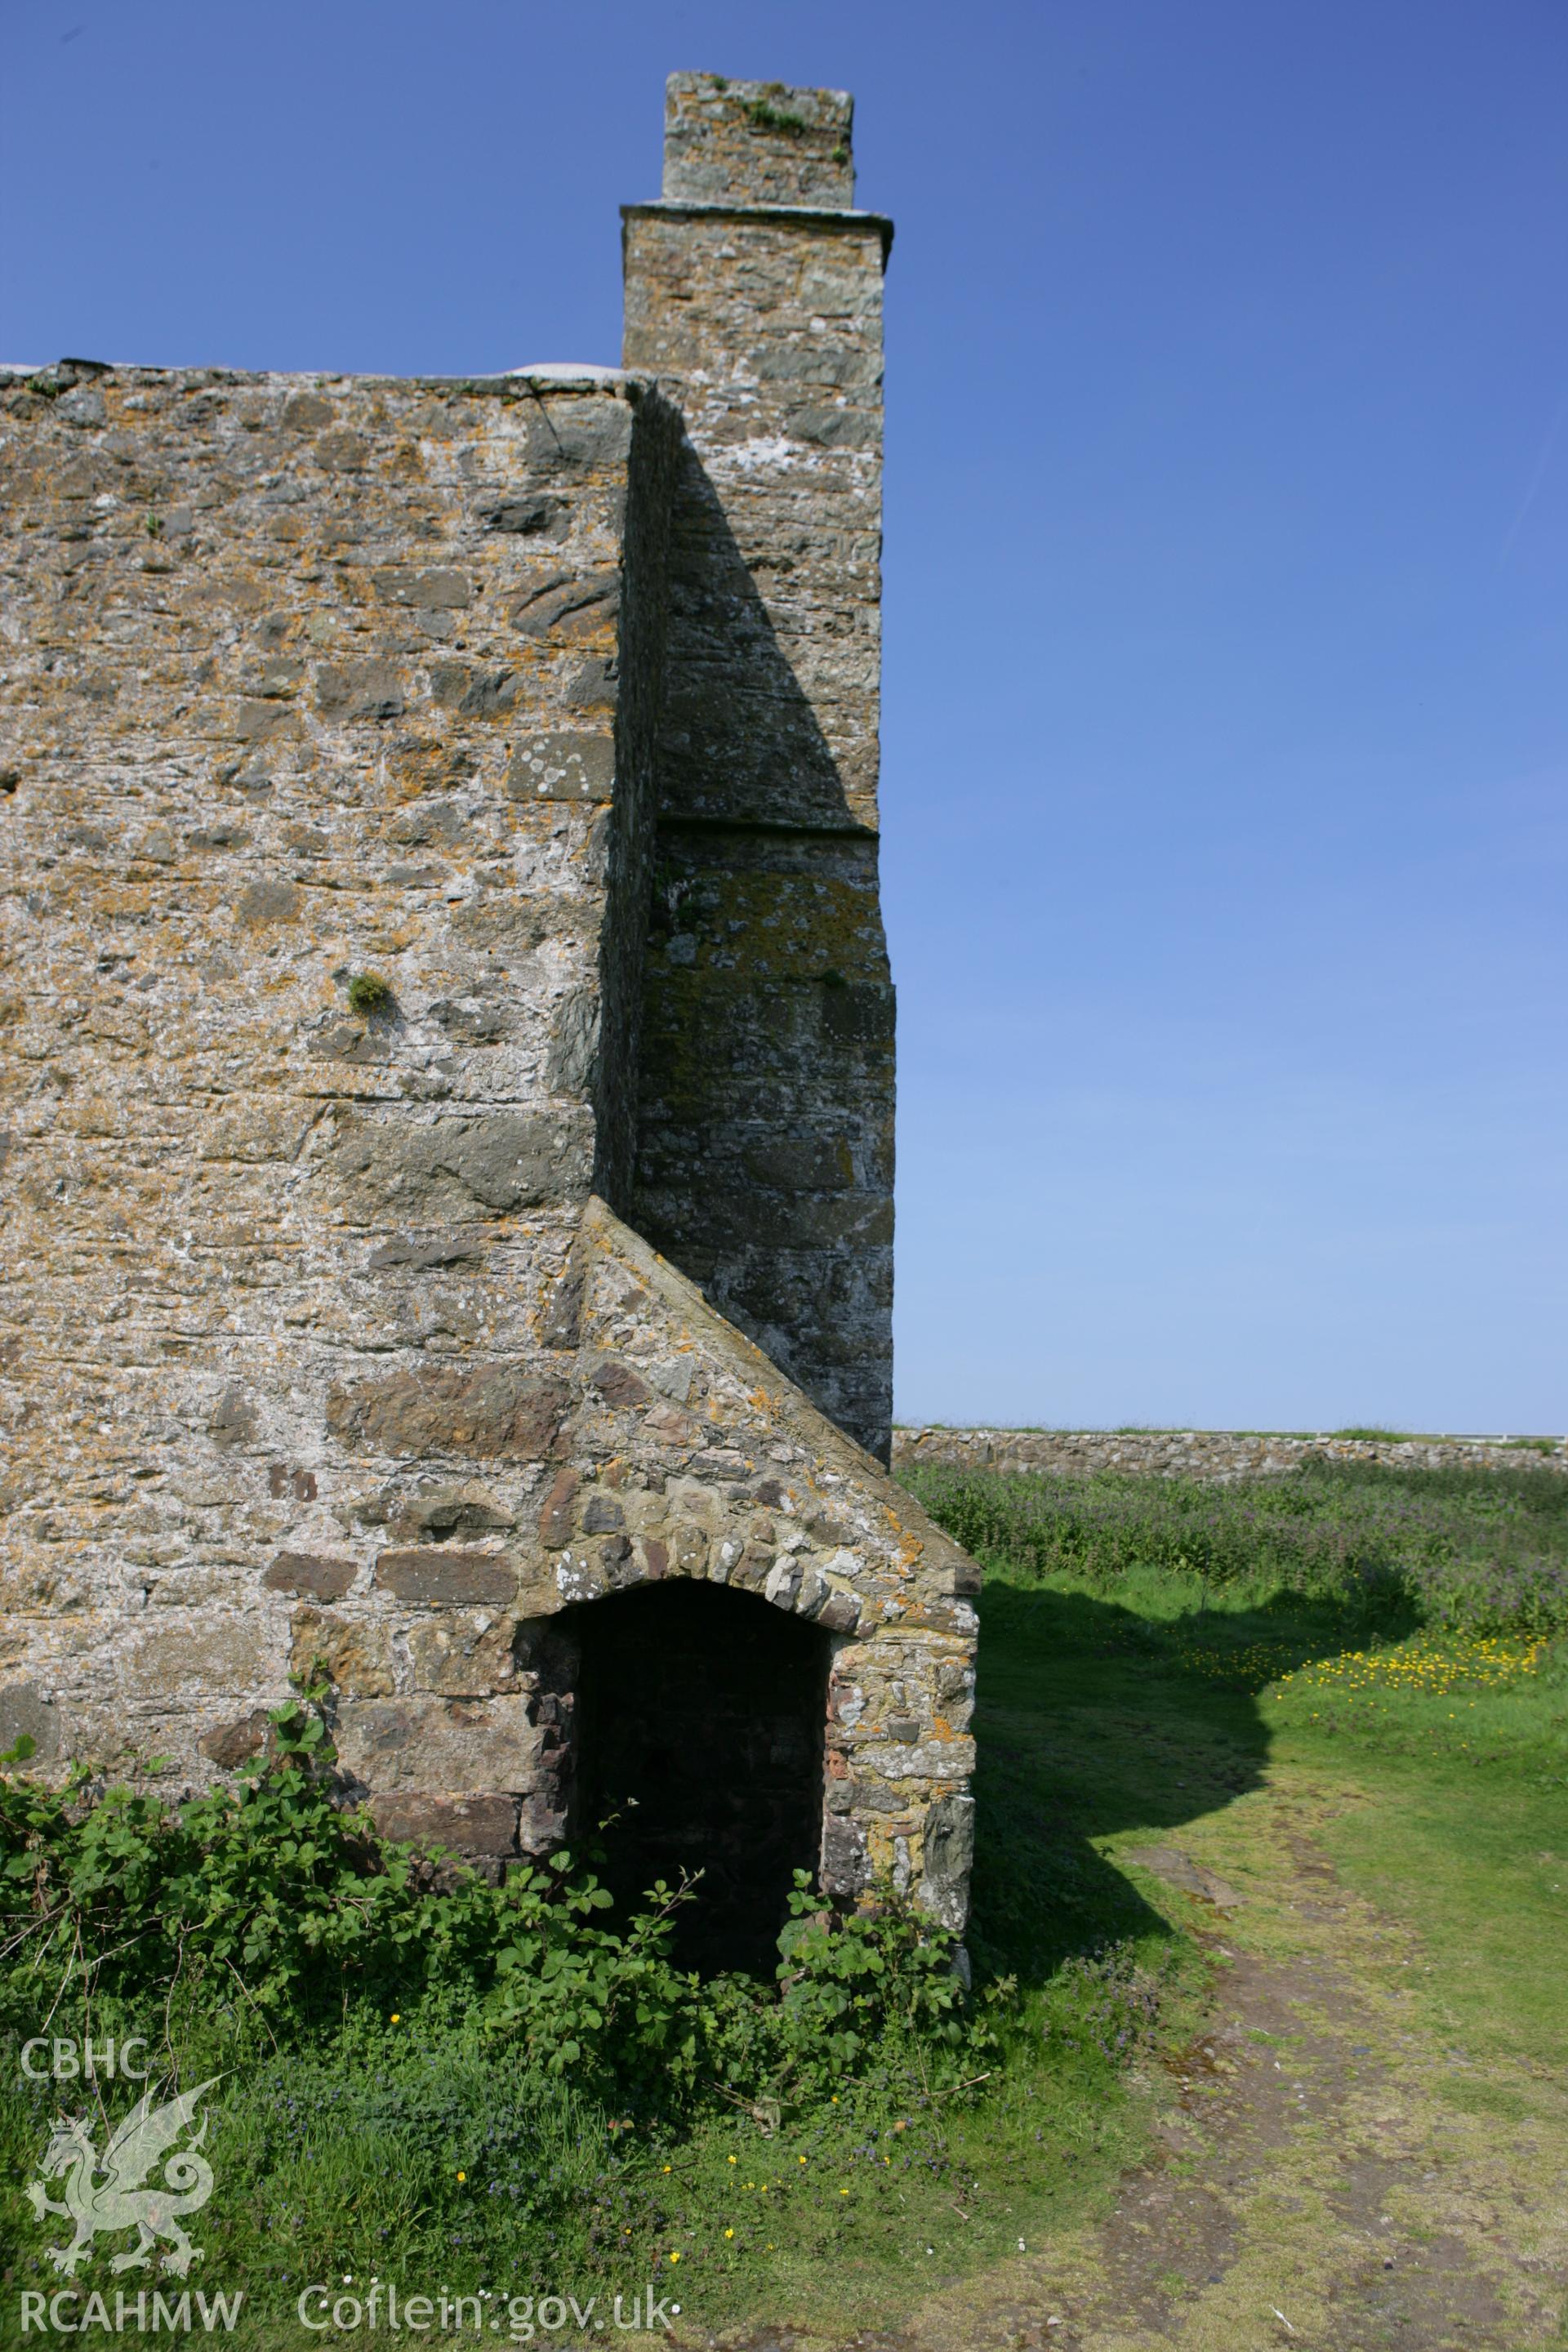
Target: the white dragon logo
pixel 119 2201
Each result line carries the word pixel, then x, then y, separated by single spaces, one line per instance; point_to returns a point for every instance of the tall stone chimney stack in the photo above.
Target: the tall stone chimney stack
pixel 754 291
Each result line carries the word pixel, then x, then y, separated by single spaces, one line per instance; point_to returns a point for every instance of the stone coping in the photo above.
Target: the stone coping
pixel 552 376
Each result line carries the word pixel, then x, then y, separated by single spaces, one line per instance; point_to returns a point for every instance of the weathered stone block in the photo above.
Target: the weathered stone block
pixel 234 1421
pixel 462 1825
pixel 26 1713
pixel 357 1654
pixel 557 1518
pixel 562 767
pixel 948 1856
pixel 307 1575
pixel 619 1384
pixel 492 1412
pixel 215 1653
pixel 465 1509
pixel 602 1514
pixel 455 1746
pixel 233 1745
pixel 435 1575
pixel 846 1859
pixel 464 1656
pixel 457 1167
pixel 363 689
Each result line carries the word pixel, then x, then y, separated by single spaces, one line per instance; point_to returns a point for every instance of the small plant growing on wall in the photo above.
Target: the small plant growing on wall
pixel 368 993
pixel 775 118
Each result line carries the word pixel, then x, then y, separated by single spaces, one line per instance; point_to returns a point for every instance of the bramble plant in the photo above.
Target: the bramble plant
pixel 426 2068
pixel 277 1888
pixel 877 1987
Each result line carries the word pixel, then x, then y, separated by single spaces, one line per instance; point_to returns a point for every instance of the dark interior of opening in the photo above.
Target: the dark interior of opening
pixel 706 1708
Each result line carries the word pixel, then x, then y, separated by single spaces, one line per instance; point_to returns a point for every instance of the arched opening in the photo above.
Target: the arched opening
pixel 699 1724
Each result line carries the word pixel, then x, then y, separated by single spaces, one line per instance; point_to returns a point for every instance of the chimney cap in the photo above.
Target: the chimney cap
pixel 757 143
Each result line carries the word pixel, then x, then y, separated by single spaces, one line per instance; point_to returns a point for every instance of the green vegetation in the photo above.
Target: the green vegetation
pixel 368 993
pixel 472 2083
pixel 1136 1678
pixel 765 116
pixel 1485 1550
pixel 444 2083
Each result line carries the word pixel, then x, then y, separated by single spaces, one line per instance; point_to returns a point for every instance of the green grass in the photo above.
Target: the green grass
pixel 1483 1550
pixel 1122 1703
pixel 1122 1697
pixel 1436 1437
pixel 418 2155
pixel 1461 1829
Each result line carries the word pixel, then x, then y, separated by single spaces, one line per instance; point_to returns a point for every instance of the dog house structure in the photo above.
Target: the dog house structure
pixel 448 1078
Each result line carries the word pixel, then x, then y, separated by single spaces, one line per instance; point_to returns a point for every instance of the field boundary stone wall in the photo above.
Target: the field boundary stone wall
pixel 1219 1454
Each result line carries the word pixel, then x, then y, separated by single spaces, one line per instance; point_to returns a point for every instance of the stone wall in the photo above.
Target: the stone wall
pixel 312 682
pixel 1219 1454
pixel 766 1145
pixel 338 720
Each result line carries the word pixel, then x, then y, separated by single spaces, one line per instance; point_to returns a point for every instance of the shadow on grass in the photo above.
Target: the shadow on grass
pixel 1096 1717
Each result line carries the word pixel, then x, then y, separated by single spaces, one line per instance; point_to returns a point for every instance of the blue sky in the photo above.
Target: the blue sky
pixel 1225 732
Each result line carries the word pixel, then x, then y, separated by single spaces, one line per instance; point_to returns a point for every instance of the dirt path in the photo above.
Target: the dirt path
pixel 1333 2174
